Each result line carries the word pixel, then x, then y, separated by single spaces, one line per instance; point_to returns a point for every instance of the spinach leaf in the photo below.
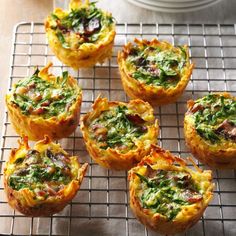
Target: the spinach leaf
pixel 62 40
pixel 86 21
pixel 168 191
pixel 64 78
pixel 215 110
pixel 54 16
pixel 144 179
pixel 120 130
pixel 156 67
pixel 39 95
pixel 33 174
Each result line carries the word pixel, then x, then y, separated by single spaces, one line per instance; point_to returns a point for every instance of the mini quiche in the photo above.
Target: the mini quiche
pixel 166 195
pixel 117 134
pixel 44 104
pixel 82 36
pixel 210 130
pixel 154 71
pixel 41 181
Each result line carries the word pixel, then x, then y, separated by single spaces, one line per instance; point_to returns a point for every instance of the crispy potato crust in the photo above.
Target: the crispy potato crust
pixel 25 200
pixel 155 95
pixel 112 158
pixel 219 155
pixel 190 214
pixel 88 54
pixel 35 126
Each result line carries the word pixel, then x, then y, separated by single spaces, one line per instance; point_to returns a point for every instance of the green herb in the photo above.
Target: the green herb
pixel 94 38
pixel 167 192
pixel 166 61
pixel 215 110
pixel 36 72
pixel 17 182
pixel 144 179
pixel 183 57
pixel 62 40
pixel 80 21
pixel 160 80
pixel 64 77
pixel 54 17
pixel 156 67
pixel 119 131
pixel 208 134
pixel 54 99
pixel 38 170
pixel 19 160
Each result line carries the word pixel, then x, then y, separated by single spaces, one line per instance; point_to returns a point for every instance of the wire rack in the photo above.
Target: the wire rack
pixel 101 207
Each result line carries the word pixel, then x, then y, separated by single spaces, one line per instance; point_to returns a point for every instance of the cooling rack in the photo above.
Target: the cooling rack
pixel 101 207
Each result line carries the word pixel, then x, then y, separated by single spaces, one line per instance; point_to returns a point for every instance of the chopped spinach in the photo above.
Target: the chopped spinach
pixel 87 22
pixel 62 40
pixel 215 109
pixel 168 191
pixel 157 67
pixel 43 97
pixel 54 17
pixel 116 128
pixel 40 170
pixel 208 134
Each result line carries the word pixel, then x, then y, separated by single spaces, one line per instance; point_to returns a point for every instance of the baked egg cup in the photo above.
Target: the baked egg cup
pixel 210 130
pixel 154 71
pixel 81 36
pixel 42 180
pixel 166 195
pixel 117 134
pixel 44 104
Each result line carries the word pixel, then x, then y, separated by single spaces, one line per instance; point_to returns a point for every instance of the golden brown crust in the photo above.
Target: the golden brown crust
pixel 25 201
pixel 190 214
pixel 155 95
pixel 88 54
pixel 113 158
pixel 35 127
pixel 219 155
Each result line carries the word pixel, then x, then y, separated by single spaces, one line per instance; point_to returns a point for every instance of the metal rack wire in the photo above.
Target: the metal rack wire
pixel 101 207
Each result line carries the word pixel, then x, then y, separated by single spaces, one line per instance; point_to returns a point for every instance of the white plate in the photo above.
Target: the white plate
pixel 178 1
pixel 172 9
pixel 175 5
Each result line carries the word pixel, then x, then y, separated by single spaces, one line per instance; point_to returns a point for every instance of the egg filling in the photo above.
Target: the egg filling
pixel 118 128
pixel 215 118
pixel 166 191
pixel 86 24
pixel 43 173
pixel 36 96
pixel 155 66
